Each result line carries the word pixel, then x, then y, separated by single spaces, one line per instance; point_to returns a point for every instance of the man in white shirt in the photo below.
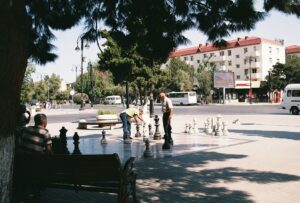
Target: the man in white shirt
pixel 167 109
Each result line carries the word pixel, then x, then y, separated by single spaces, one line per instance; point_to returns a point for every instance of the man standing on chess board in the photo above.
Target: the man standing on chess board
pixel 167 109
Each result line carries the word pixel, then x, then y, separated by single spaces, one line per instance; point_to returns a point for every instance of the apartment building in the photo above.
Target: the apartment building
pixel 293 50
pixel 240 56
pixel 241 53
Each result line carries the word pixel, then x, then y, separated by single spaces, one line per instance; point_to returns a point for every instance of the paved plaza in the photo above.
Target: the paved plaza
pixel 258 161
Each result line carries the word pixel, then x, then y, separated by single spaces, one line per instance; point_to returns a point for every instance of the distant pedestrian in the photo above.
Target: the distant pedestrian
pixel 126 116
pixel 167 109
pixel 37 138
pixel 23 118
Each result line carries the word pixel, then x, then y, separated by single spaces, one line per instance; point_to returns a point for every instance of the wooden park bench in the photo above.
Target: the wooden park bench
pixel 99 173
pixel 82 124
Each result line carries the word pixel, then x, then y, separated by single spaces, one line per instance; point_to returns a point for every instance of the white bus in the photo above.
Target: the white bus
pixel 291 98
pixel 183 98
pixel 114 99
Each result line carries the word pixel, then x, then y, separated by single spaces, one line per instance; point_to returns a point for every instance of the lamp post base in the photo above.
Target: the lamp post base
pixel 81 106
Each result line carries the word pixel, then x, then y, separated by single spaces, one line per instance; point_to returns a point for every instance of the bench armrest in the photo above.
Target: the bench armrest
pixel 128 167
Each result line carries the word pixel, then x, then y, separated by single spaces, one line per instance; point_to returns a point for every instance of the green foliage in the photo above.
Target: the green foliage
pixel 77 98
pixel 28 85
pixel 105 112
pixel 97 84
pixel 178 76
pixel 283 74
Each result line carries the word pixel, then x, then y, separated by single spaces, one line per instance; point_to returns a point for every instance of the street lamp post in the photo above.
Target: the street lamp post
pixel 91 84
pixel 250 89
pixel 81 68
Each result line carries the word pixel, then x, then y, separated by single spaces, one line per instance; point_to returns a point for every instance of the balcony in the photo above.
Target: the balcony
pixel 252 54
pixel 253 65
pixel 218 58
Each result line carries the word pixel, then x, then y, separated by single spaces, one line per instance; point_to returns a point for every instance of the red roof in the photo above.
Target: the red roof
pixel 292 49
pixel 239 42
pixel 183 52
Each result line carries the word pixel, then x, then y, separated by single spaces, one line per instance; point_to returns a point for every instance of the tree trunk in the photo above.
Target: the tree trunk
pixel 14 37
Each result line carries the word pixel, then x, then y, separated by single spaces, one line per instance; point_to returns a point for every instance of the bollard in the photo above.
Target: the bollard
pixel 103 140
pixel 147 152
pixel 157 135
pixel 76 144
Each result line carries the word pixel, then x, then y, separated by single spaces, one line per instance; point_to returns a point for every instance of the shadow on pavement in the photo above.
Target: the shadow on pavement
pixel 269 134
pixel 182 179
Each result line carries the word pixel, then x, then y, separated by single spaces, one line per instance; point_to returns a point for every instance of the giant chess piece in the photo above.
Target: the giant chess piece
pixel 186 128
pixel 218 126
pixel 103 140
pixel 138 134
pixel 225 130
pixel 167 143
pixel 190 128
pixel 195 126
pixel 144 132
pixel 150 131
pixel 205 127
pixel 157 135
pixel 147 152
pixel 76 144
pixel 209 126
pixel 63 149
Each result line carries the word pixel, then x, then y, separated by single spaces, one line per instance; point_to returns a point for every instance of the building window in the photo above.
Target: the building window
pixel 277 50
pixel 246 72
pixel 270 60
pixel 254 70
pixel 192 58
pixel 238 77
pixel 221 53
pixel 204 56
pixel 229 63
pixel 270 49
pixel 254 48
pixel 237 66
pixel 245 61
pixel 237 56
pixel 229 52
pixel 185 58
pixel 278 60
pixel 245 50
pixel 222 63
pixel 212 54
pixel 198 61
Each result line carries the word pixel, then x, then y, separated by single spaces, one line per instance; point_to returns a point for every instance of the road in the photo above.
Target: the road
pixel 180 110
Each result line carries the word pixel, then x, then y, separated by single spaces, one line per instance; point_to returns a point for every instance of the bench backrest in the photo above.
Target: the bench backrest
pixel 73 169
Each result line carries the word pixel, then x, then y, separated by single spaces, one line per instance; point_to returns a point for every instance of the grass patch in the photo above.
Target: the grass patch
pixel 106 112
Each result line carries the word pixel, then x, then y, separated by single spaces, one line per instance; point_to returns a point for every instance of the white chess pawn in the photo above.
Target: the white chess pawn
pixel 225 130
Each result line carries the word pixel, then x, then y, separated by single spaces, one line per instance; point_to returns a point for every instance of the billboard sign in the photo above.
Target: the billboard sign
pixel 223 79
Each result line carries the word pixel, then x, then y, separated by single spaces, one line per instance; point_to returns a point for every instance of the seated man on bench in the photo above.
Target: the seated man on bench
pixel 36 138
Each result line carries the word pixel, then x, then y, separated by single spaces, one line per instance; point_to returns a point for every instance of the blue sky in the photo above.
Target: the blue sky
pixel 275 26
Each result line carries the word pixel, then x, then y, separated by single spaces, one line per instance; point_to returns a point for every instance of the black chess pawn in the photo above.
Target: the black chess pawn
pixel 76 144
pixel 63 149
